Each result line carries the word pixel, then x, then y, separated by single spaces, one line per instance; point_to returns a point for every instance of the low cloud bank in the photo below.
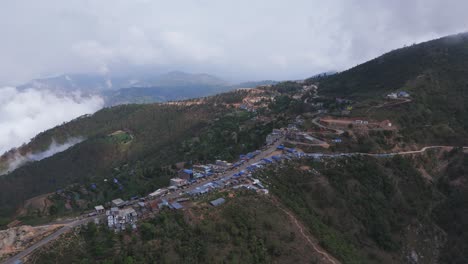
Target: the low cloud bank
pixel 25 113
pixel 54 148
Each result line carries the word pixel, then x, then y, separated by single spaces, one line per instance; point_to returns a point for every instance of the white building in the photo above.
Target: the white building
pixel 118 202
pixel 177 182
pixel 118 218
pixel 99 209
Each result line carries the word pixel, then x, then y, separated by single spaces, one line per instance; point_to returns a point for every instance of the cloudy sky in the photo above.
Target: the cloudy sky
pixel 237 40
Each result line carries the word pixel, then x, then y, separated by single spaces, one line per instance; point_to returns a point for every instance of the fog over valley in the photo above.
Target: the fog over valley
pixel 24 114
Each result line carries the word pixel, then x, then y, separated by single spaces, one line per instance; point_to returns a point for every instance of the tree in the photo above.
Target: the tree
pixel 53 210
pixel 147 231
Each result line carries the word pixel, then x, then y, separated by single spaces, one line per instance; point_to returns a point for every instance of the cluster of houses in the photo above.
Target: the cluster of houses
pixel 119 216
pixel 251 104
pixel 288 154
pixel 187 177
pixel 211 186
pixel 124 214
pixel 396 95
pixel 305 89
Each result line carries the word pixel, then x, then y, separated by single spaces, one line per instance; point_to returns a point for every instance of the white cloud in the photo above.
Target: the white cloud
pixel 274 39
pixel 16 160
pixel 24 114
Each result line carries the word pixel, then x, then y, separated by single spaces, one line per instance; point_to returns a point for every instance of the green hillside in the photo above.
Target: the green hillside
pixel 435 73
pixel 137 144
pixel 365 210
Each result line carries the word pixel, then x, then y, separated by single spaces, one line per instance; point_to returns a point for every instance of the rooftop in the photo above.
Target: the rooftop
pixel 218 202
pixel 176 205
pixel 117 201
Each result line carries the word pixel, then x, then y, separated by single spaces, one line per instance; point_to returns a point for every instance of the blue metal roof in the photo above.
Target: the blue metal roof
pixel 218 201
pixel 176 205
pixel 276 157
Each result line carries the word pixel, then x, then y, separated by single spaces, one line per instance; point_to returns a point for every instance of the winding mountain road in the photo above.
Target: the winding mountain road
pixel 388 104
pixel 316 122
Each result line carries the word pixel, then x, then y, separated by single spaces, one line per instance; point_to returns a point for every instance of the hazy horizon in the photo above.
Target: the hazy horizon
pixel 238 41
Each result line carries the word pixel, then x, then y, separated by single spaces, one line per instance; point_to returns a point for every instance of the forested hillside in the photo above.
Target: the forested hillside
pixel 156 131
pixel 136 144
pixel 435 73
pixel 365 210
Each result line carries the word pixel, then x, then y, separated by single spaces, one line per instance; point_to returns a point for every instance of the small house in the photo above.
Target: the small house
pixel 218 202
pixel 178 182
pixel 158 192
pixel 221 163
pixel 118 202
pixel 403 94
pixel 99 209
pixel 276 158
pixel 176 206
pixel 185 174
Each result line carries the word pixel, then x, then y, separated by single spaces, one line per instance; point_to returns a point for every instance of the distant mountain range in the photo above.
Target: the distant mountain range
pixel 175 85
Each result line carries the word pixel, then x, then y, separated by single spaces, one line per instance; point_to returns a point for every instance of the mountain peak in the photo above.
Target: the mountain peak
pixel 180 78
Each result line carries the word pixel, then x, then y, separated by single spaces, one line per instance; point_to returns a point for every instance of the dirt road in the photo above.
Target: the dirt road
pixel 69 226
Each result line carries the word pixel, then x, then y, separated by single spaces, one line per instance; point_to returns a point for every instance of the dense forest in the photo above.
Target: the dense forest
pixel 365 210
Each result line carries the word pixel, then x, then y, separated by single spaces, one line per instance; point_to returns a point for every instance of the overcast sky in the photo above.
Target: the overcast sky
pixel 237 40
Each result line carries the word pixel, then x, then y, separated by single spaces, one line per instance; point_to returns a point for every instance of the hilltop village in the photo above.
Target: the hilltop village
pixel 290 142
pixel 328 130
